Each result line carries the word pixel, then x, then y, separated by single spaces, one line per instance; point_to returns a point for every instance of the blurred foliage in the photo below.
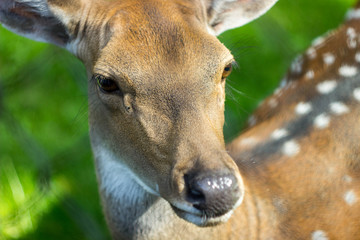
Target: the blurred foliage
pixel 48 185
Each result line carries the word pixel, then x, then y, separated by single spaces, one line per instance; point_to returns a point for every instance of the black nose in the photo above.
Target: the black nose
pixel 213 193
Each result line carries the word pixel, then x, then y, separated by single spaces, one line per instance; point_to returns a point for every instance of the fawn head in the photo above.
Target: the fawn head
pixel 156 88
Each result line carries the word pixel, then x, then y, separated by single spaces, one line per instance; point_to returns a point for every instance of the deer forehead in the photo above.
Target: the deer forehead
pixel 160 39
pixel 152 78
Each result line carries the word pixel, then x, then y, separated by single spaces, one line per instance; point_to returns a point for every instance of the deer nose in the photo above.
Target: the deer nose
pixel 212 193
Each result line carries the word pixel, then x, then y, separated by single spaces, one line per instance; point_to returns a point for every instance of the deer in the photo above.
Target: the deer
pixel 156 89
pixel 292 174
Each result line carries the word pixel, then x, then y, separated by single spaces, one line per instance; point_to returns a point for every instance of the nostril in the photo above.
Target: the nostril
pixel 196 194
pixel 193 193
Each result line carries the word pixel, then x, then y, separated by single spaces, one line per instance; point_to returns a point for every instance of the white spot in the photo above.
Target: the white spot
pixel 319 235
pixel 311 53
pixel 310 74
pixel 353 14
pixel 339 108
pixel 318 41
pixel 296 66
pixel 303 108
pixel 351 41
pixel 252 121
pixel 350 197
pixel 279 133
pixel 273 102
pixel 322 121
pixel 326 86
pixel 348 71
pixel 357 94
pixel 290 148
pixel 357 57
pixel 351 32
pixel 328 58
pixel 347 179
pixel 249 142
pixel 278 92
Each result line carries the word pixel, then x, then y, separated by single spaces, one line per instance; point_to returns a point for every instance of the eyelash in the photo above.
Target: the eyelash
pixel 106 85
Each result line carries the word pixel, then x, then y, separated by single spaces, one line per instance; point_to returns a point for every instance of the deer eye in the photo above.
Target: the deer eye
pixel 227 71
pixel 106 85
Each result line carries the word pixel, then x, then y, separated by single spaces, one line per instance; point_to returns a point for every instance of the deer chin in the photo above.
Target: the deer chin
pixel 197 217
pixel 200 219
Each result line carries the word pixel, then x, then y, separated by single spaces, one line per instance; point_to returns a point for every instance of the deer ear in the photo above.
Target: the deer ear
pixel 228 14
pixel 35 19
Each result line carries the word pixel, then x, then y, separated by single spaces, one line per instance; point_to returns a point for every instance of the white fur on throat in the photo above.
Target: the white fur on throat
pixel 128 202
pixel 116 177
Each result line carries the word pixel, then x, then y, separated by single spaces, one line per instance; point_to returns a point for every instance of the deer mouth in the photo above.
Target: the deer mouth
pixel 200 218
pixel 209 197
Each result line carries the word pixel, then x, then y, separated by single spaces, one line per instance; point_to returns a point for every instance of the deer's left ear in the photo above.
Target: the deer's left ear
pixel 227 14
pixel 40 20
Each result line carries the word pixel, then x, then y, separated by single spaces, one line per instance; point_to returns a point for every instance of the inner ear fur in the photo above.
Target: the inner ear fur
pixel 35 19
pixel 227 14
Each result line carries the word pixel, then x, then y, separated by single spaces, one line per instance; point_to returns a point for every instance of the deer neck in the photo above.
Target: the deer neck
pixel 126 199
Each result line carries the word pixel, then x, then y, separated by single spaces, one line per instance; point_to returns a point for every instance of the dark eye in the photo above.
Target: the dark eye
pixel 106 85
pixel 227 71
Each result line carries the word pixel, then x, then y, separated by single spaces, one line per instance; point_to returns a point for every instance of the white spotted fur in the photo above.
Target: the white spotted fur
pixel 290 148
pixel 328 58
pixel 326 86
pixel 322 121
pixel 279 133
pixel 350 197
pixel 357 57
pixel 303 108
pixel 311 53
pixel 353 14
pixel 339 108
pixel 348 71
pixel 319 235
pixel 310 74
pixel 356 94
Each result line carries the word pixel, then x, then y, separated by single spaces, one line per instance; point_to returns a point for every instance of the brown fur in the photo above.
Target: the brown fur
pixel 306 192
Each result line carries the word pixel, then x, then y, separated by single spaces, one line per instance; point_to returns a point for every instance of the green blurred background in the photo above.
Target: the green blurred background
pixel 48 187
